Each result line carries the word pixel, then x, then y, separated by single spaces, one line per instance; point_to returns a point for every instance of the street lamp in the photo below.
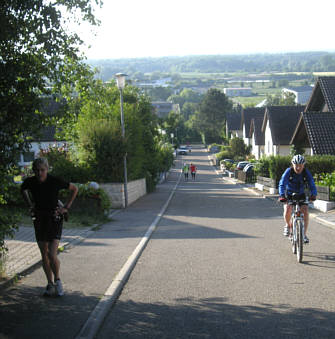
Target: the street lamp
pixel 121 82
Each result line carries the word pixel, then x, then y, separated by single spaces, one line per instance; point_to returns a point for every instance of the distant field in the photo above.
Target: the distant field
pixel 248 101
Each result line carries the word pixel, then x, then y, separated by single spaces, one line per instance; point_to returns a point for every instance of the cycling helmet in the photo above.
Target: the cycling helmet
pixel 298 159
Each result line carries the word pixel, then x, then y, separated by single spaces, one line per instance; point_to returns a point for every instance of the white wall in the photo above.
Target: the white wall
pixel 268 141
pixel 115 191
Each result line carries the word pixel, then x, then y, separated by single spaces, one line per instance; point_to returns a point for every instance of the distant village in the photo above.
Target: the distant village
pixel 273 130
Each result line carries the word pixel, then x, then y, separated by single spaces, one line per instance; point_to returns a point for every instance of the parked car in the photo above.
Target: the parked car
pixel 182 150
pixel 248 168
pixel 241 165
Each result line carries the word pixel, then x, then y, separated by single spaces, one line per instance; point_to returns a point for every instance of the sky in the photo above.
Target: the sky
pixel 154 28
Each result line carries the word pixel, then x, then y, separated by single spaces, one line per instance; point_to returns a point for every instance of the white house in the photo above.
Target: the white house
pixel 247 115
pixel 302 93
pixel 278 126
pixel 257 137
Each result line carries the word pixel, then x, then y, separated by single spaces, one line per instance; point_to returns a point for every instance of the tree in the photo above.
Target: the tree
pixel 39 55
pixel 238 147
pixel 285 99
pixel 211 117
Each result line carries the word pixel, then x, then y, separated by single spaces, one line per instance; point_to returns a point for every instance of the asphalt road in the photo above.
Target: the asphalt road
pixel 218 266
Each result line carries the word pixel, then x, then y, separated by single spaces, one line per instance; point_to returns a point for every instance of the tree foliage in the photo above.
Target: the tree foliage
pixel 37 55
pixel 210 119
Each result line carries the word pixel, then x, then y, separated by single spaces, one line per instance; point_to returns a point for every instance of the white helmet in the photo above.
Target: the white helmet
pixel 298 159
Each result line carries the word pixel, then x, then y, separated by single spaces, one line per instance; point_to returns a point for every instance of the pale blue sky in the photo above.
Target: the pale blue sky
pixel 151 28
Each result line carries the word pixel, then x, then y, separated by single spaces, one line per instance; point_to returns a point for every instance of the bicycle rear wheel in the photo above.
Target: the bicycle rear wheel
pixel 300 240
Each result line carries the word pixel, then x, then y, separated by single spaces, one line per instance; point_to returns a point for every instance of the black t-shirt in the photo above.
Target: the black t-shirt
pixel 45 194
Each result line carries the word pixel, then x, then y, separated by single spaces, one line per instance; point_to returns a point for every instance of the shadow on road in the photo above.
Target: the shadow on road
pixel 216 318
pixel 25 313
pixel 325 260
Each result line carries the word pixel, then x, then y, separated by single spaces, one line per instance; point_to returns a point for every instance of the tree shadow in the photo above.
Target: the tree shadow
pixel 25 313
pixel 325 260
pixel 215 318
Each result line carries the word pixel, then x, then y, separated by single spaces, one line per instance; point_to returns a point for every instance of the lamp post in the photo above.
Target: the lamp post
pixel 121 82
pixel 172 136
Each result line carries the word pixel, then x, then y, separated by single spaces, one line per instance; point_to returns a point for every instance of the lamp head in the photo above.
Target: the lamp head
pixel 120 80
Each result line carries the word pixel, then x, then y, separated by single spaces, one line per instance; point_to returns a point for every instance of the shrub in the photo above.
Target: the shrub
pixel 225 154
pixel 61 165
pixel 101 147
pixel 318 164
pixel 86 192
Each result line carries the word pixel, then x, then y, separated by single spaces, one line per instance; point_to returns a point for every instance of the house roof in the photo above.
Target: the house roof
pixel 248 114
pixel 323 93
pixel 233 121
pixel 299 89
pixel 283 121
pixel 256 128
pixel 316 130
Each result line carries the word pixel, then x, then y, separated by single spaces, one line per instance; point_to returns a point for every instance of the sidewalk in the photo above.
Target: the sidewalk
pixel 23 251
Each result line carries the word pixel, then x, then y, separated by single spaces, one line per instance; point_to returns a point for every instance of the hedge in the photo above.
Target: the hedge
pixel 274 166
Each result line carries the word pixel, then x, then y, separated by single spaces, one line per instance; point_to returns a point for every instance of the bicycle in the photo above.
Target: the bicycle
pixel 298 227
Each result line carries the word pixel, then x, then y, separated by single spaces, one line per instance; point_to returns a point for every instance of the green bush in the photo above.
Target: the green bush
pixel 318 164
pixel 86 192
pixel 262 167
pixel 225 154
pixel 62 166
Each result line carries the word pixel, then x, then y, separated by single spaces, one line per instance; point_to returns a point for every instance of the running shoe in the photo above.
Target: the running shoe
pixel 49 290
pixel 306 240
pixel 59 288
pixel 286 231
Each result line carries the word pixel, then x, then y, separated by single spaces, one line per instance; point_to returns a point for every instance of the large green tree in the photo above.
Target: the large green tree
pixel 211 117
pixel 38 55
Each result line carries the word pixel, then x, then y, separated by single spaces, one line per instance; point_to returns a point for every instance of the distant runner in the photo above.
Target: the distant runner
pixel 193 171
pixel 185 171
pixel 41 193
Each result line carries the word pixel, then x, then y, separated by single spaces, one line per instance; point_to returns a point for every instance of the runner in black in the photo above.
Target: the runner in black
pixel 48 219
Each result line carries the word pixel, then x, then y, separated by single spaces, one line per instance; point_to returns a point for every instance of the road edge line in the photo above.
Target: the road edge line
pixel 97 316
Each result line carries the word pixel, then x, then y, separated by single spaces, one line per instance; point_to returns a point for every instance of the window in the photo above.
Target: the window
pixel 28 156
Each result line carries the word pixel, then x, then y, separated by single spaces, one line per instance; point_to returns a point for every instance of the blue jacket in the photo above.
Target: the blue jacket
pixel 296 184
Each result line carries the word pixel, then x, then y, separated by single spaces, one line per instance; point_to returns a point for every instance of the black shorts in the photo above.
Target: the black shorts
pixel 47 226
pixel 301 196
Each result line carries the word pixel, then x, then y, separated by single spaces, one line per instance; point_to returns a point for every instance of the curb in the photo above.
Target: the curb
pixel 98 315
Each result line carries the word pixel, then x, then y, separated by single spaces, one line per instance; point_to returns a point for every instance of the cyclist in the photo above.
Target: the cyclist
pixel 185 171
pixel 294 180
pixel 48 221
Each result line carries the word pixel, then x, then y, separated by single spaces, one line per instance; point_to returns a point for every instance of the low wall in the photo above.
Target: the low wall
pixel 136 189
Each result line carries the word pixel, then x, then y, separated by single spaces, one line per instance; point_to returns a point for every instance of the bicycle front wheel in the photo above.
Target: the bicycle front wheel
pixel 300 240
pixel 294 237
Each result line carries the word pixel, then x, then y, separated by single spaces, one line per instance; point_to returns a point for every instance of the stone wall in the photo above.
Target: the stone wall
pixel 136 189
